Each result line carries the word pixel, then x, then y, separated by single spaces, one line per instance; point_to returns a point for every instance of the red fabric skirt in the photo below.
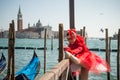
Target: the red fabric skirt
pixel 93 62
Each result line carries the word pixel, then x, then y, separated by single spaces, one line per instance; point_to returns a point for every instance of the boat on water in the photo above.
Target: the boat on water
pixel 30 71
pixel 2 63
pixel 115 36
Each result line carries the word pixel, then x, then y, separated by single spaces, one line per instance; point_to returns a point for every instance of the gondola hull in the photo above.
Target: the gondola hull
pixel 30 71
pixel 2 63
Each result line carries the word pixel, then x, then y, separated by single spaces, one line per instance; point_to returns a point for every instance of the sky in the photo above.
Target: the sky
pixel 93 14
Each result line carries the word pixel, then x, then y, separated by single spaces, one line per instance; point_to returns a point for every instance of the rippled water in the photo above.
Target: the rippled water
pixel 23 56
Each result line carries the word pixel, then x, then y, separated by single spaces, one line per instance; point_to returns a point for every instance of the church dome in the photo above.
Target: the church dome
pixel 38 24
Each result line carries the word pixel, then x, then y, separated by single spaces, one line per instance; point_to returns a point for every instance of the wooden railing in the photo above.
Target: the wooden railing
pixel 58 71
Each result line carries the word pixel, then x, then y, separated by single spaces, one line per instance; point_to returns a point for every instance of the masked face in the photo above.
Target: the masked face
pixel 70 39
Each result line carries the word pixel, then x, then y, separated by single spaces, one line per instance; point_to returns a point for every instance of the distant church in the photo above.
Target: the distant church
pixel 35 31
pixel 19 21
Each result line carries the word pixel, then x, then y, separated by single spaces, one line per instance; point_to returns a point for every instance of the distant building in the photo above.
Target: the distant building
pixel 38 24
pixel 19 21
pixel 1 33
pixel 27 34
pixel 35 31
pixel 5 34
pixel 49 33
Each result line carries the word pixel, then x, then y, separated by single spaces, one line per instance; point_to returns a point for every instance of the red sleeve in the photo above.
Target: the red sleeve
pixel 75 51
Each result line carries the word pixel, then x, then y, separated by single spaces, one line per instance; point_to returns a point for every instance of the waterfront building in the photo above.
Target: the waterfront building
pixel 49 33
pixel 35 31
pixel 19 20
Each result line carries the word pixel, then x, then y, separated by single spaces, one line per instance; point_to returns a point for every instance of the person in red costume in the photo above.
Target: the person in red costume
pixel 80 55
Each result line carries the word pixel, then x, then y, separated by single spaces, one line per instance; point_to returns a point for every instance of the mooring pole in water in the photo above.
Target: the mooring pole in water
pixel 71 14
pixel 71 18
pixel 9 53
pixel 84 72
pixel 11 62
pixel 84 31
pixel 107 53
pixel 118 57
pixel 61 40
pixel 45 50
pixel 81 32
pixel 84 34
pixel 51 42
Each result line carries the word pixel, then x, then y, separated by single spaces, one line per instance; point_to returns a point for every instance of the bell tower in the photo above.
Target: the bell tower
pixel 19 20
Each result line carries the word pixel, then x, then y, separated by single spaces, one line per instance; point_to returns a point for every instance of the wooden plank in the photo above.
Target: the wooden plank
pixel 65 74
pixel 56 71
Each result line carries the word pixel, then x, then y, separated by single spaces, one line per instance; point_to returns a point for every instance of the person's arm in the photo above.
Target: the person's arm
pixel 74 51
pixel 77 50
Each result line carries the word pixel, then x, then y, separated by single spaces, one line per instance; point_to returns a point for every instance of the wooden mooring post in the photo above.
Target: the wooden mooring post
pixel 107 52
pixel 71 14
pixel 118 57
pixel 81 32
pixel 61 36
pixel 11 61
pixel 52 43
pixel 61 39
pixel 45 50
pixel 84 72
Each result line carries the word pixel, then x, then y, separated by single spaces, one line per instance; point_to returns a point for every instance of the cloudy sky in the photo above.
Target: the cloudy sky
pixel 94 14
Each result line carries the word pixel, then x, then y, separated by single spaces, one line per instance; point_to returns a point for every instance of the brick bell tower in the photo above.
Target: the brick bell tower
pixel 19 21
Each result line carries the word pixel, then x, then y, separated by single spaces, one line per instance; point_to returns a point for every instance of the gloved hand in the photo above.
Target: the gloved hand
pixel 67 54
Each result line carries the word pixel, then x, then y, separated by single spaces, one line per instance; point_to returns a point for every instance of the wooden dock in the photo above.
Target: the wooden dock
pixel 60 70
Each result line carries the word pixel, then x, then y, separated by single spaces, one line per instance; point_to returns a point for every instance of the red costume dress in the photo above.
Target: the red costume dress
pixel 88 59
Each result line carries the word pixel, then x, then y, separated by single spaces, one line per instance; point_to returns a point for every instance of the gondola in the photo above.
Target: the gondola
pixel 2 63
pixel 30 71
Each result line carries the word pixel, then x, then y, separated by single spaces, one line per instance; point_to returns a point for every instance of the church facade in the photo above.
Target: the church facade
pixel 35 31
